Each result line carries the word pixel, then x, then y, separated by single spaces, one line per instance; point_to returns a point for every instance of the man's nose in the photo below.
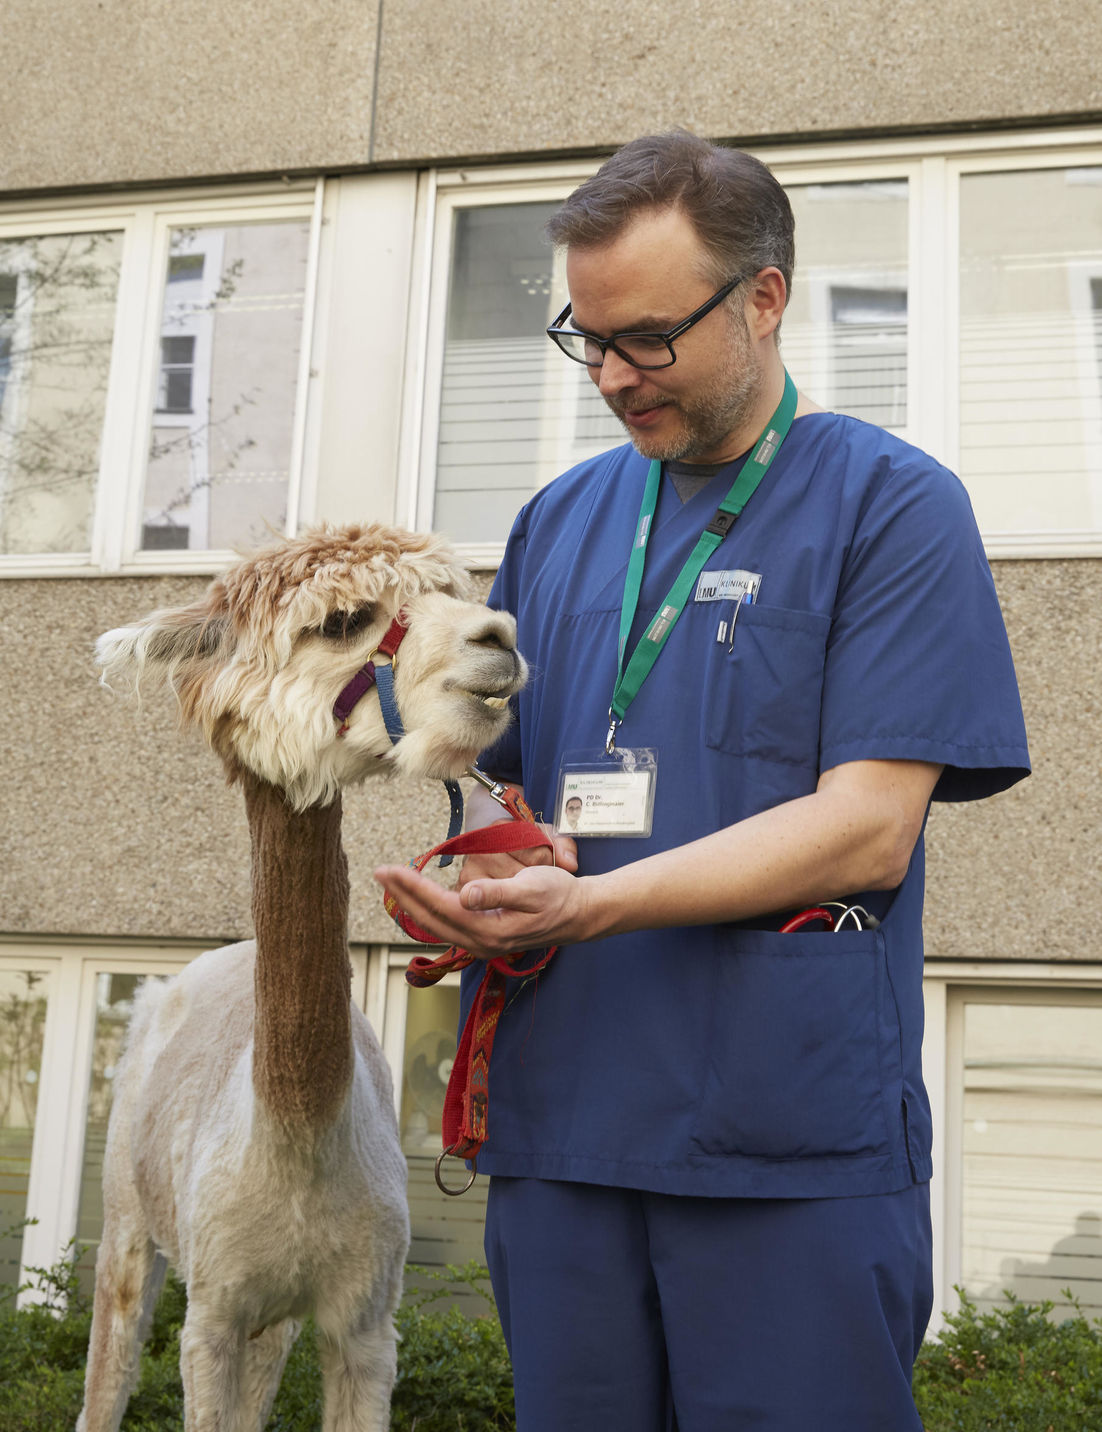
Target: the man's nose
pixel 615 374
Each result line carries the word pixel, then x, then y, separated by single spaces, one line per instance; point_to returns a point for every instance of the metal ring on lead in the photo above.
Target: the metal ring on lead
pixel 442 1186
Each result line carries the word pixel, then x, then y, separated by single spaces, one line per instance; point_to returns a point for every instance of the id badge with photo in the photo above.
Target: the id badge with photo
pixel 606 795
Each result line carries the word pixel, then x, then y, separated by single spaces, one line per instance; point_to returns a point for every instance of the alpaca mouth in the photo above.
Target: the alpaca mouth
pixel 495 703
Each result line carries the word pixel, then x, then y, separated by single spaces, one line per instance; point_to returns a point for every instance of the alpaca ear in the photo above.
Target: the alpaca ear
pixel 172 647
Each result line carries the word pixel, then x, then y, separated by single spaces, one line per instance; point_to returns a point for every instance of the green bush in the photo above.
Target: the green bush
pixel 1012 1370
pixel 453 1370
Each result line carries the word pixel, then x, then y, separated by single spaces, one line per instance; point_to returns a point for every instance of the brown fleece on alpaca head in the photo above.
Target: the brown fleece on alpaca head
pixel 285 589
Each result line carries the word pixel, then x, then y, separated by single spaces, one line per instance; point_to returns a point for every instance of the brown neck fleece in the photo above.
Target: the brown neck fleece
pixel 302 1053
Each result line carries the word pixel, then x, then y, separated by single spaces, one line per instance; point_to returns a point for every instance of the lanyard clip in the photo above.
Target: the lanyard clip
pixel 610 739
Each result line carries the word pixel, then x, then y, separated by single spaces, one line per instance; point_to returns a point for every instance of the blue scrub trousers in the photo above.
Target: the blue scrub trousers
pixel 628 1311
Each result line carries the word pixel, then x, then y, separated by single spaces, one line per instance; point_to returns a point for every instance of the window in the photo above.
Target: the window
pixel 177 371
pixel 844 335
pixel 7 325
pixel 217 472
pixel 152 363
pixel 914 306
pixel 1030 400
pixel 420 1040
pixel 511 418
pixel 114 1003
pixel 23 996
pixel 64 1014
pixel 1031 1124
pixel 1013 1065
pixel 57 320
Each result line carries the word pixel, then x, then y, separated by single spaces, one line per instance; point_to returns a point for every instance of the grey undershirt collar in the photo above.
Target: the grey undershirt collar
pixel 689 478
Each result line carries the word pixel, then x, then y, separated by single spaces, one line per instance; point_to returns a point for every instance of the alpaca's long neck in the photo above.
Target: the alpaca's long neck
pixel 302 1052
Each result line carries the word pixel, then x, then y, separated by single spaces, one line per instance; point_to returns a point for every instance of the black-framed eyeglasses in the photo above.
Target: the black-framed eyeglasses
pixel 641 350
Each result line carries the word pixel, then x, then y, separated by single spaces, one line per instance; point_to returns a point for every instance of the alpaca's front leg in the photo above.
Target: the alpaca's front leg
pixel 265 1355
pixel 358 1371
pixel 212 1357
pixel 129 1274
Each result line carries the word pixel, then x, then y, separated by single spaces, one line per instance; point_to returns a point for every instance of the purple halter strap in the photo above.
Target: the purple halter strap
pixel 360 684
pixel 365 678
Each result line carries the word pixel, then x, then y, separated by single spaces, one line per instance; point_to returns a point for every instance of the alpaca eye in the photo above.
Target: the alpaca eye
pixel 338 625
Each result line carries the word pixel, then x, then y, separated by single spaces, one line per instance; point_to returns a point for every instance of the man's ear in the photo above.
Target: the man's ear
pixel 765 301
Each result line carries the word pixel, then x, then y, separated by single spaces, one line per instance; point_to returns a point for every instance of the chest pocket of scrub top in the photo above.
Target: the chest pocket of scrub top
pixel 765 693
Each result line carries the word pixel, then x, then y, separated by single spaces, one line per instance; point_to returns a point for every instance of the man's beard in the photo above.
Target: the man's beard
pixel 716 410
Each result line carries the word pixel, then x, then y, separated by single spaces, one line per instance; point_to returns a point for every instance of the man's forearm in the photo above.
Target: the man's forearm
pixel 852 834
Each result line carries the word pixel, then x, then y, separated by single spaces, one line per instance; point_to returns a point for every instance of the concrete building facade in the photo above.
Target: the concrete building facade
pixel 261 267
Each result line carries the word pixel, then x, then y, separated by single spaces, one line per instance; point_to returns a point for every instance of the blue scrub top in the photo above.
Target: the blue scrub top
pixel 724 1059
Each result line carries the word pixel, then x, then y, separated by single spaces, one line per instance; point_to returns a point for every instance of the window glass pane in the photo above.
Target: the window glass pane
pixel 514 412
pixel 444 1230
pixel 844 336
pixel 1030 365
pixel 57 320
pixel 114 1001
pixel 22 1021
pixel 231 331
pixel 1033 1153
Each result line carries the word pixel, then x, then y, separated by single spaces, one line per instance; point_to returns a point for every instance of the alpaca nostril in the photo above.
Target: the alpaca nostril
pixel 491 637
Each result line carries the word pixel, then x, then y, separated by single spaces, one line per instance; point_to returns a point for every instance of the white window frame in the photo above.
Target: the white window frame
pixel 932 167
pixel 947 986
pixel 145 222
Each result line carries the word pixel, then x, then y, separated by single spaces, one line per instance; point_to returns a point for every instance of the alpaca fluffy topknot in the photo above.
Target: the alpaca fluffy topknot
pixel 292 586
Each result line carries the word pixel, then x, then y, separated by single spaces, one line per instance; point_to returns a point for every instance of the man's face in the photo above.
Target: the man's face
pixel 646 280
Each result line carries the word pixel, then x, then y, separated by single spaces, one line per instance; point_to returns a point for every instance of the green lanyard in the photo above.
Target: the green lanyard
pixel 662 623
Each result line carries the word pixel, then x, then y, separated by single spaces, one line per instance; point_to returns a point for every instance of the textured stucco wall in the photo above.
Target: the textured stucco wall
pixel 123 93
pixel 117 824
pixel 116 91
pixel 1016 876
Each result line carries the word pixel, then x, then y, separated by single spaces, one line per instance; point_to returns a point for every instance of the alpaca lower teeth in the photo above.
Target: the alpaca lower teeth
pixel 497 703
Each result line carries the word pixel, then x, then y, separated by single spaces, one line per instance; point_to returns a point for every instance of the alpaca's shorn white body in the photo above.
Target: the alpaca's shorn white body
pixel 253 1142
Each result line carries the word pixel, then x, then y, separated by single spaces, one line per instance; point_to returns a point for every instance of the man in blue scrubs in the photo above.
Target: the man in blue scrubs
pixel 762 637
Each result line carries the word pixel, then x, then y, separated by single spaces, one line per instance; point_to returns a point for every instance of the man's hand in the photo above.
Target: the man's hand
pixel 537 906
pixel 483 810
pixel 511 862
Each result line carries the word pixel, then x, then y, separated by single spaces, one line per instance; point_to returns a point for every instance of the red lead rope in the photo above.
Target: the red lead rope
pixel 466 1099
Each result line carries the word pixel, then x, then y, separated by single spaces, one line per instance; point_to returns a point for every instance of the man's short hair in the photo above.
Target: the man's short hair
pixel 737 207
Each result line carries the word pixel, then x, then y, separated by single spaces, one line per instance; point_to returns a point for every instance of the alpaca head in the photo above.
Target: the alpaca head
pixel 258 662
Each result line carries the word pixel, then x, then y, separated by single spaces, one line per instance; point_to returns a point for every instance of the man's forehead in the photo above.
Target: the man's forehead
pixel 647 276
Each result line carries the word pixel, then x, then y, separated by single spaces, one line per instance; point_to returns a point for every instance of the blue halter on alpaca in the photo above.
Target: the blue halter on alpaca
pixel 382 678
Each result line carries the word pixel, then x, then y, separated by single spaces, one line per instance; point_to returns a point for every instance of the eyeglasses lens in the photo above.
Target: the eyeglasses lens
pixel 644 350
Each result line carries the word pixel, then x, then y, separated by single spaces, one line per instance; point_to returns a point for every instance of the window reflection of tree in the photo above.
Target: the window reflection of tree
pixel 56 331
pixel 22 1021
pixel 115 1001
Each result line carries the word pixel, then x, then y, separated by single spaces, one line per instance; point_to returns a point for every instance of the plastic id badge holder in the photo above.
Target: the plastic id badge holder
pixel 606 795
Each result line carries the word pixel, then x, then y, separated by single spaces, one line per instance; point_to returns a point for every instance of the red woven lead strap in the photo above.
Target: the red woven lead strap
pixel 464 1122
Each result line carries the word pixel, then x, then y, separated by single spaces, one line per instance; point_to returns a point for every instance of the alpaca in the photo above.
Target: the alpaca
pixel 253 1142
